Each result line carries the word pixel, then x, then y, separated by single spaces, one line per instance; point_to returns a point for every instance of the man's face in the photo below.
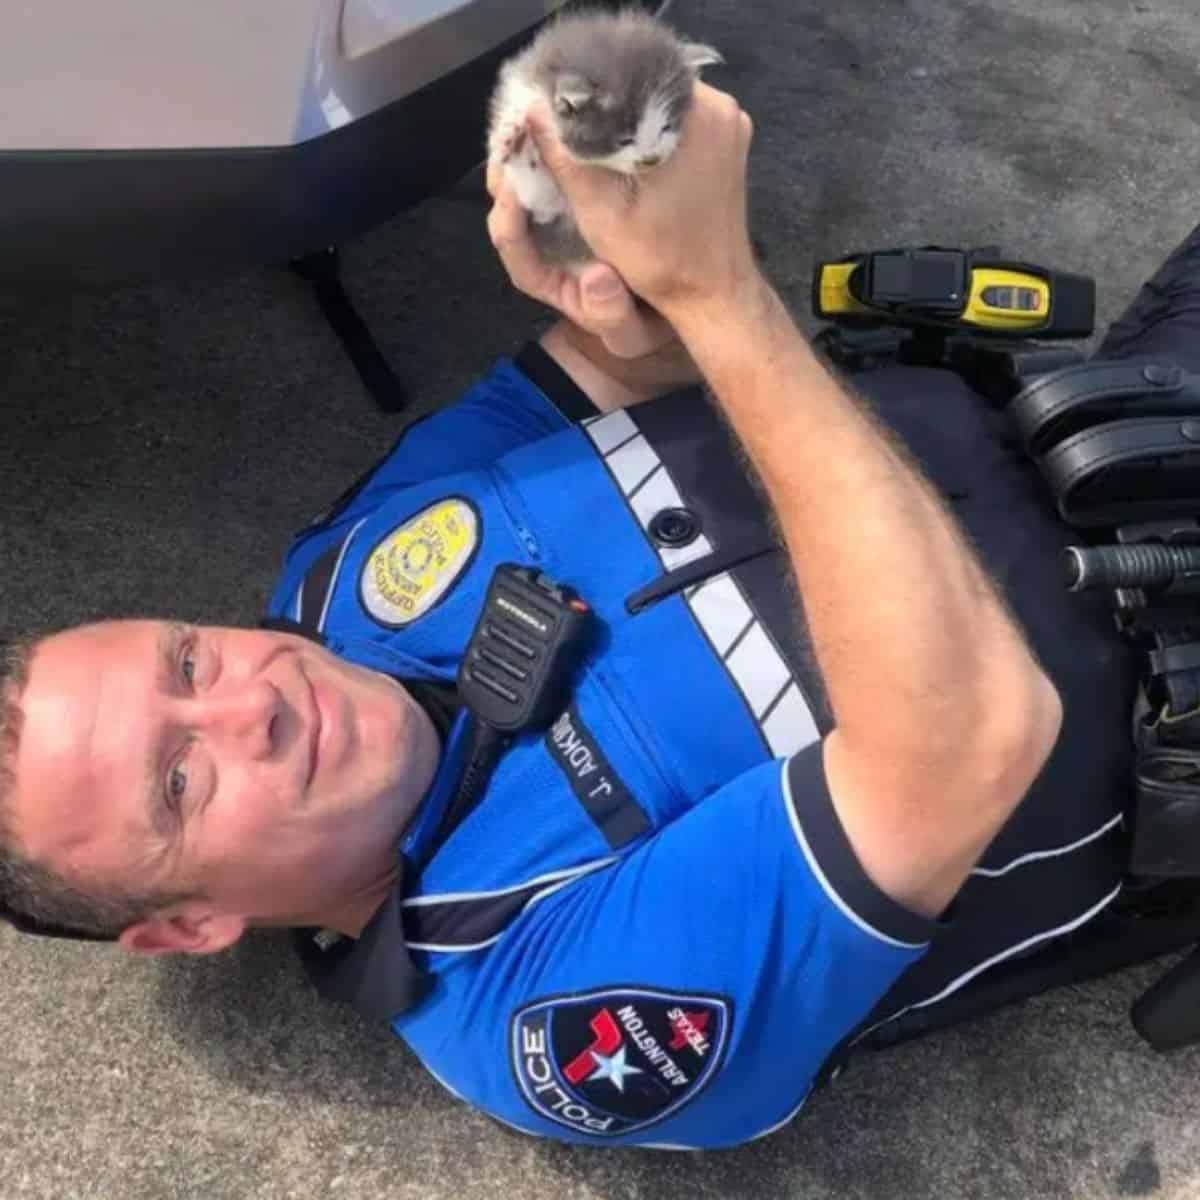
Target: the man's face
pixel 252 768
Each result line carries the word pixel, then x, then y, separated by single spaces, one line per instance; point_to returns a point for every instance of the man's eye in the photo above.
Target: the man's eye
pixel 177 781
pixel 187 665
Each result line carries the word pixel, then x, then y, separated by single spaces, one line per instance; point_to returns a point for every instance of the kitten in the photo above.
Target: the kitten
pixel 618 88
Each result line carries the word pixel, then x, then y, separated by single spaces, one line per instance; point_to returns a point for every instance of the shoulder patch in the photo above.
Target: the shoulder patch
pixel 417 563
pixel 614 1061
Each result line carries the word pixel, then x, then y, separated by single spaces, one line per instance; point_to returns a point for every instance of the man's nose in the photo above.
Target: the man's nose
pixel 243 718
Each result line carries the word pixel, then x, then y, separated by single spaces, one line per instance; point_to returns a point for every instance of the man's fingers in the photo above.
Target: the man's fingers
pixel 541 128
pixel 495 177
pixel 602 288
pixel 606 304
pixel 526 271
pixel 507 222
pixel 508 228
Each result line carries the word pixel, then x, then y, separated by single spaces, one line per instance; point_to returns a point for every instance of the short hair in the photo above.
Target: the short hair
pixel 14 672
pixel 33 896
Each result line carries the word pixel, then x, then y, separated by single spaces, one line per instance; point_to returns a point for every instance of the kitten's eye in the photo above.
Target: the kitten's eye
pixel 670 127
pixel 564 107
pixel 627 141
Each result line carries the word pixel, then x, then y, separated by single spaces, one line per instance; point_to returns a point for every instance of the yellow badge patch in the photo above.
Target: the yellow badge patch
pixel 418 562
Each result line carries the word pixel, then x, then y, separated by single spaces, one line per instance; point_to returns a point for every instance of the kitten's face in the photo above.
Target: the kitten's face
pixel 625 134
pixel 619 87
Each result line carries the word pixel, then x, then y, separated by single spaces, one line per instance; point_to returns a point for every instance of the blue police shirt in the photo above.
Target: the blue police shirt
pixel 651 929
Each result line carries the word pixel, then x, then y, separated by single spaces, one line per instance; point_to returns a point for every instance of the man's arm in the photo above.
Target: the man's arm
pixel 943 716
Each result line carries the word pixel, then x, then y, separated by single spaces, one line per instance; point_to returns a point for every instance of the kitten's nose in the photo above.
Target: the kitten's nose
pixel 652 161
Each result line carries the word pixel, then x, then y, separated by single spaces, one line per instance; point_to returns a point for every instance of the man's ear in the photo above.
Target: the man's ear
pixel 190 928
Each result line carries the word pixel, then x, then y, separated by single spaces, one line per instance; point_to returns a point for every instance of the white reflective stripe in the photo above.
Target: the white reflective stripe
pixel 611 430
pixel 815 867
pixel 299 601
pixel 646 483
pixel 790 725
pixel 439 948
pixel 758 669
pixel 669 1146
pixel 1036 855
pixel 721 610
pixel 756 666
pixel 780 1124
pixel 549 877
pixel 337 570
pixel 456 948
pixel 657 493
pixel 633 462
pixel 674 557
pixel 966 978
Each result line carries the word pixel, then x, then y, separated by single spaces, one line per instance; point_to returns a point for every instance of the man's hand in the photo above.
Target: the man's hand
pixel 678 237
pixel 607 336
pixel 597 301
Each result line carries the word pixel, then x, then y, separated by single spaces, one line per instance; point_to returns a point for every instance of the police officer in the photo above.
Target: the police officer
pixel 838 744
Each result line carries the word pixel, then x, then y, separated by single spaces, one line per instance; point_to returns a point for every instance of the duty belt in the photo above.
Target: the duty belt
pixel 1118 444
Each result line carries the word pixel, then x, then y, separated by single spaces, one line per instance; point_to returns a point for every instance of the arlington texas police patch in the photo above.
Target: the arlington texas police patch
pixel 412 568
pixel 614 1061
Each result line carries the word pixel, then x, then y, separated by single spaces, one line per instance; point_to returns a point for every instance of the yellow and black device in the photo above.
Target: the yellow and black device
pixel 955 291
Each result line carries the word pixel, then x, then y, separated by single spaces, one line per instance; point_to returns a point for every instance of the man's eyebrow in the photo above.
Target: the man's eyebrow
pixel 166 651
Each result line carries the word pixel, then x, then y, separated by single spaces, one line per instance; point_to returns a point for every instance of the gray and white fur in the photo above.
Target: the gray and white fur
pixel 618 87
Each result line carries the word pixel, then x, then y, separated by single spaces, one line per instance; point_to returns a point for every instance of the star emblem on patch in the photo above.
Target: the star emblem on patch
pixel 614 1061
pixel 614 1069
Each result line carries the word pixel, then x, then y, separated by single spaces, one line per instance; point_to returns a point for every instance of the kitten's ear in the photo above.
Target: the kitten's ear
pixel 697 55
pixel 572 92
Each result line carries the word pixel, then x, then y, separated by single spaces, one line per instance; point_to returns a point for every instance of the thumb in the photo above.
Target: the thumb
pixel 605 298
pixel 602 286
pixel 610 311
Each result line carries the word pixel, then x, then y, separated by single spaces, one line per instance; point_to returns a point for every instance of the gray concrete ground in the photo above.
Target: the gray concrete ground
pixel 160 444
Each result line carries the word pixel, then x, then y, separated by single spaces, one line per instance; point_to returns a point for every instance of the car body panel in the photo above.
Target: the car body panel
pixel 158 75
pixel 145 138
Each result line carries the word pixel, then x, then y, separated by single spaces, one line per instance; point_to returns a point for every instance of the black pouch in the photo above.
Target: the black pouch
pixel 1124 472
pixel 1065 402
pixel 1118 443
pixel 1166 834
